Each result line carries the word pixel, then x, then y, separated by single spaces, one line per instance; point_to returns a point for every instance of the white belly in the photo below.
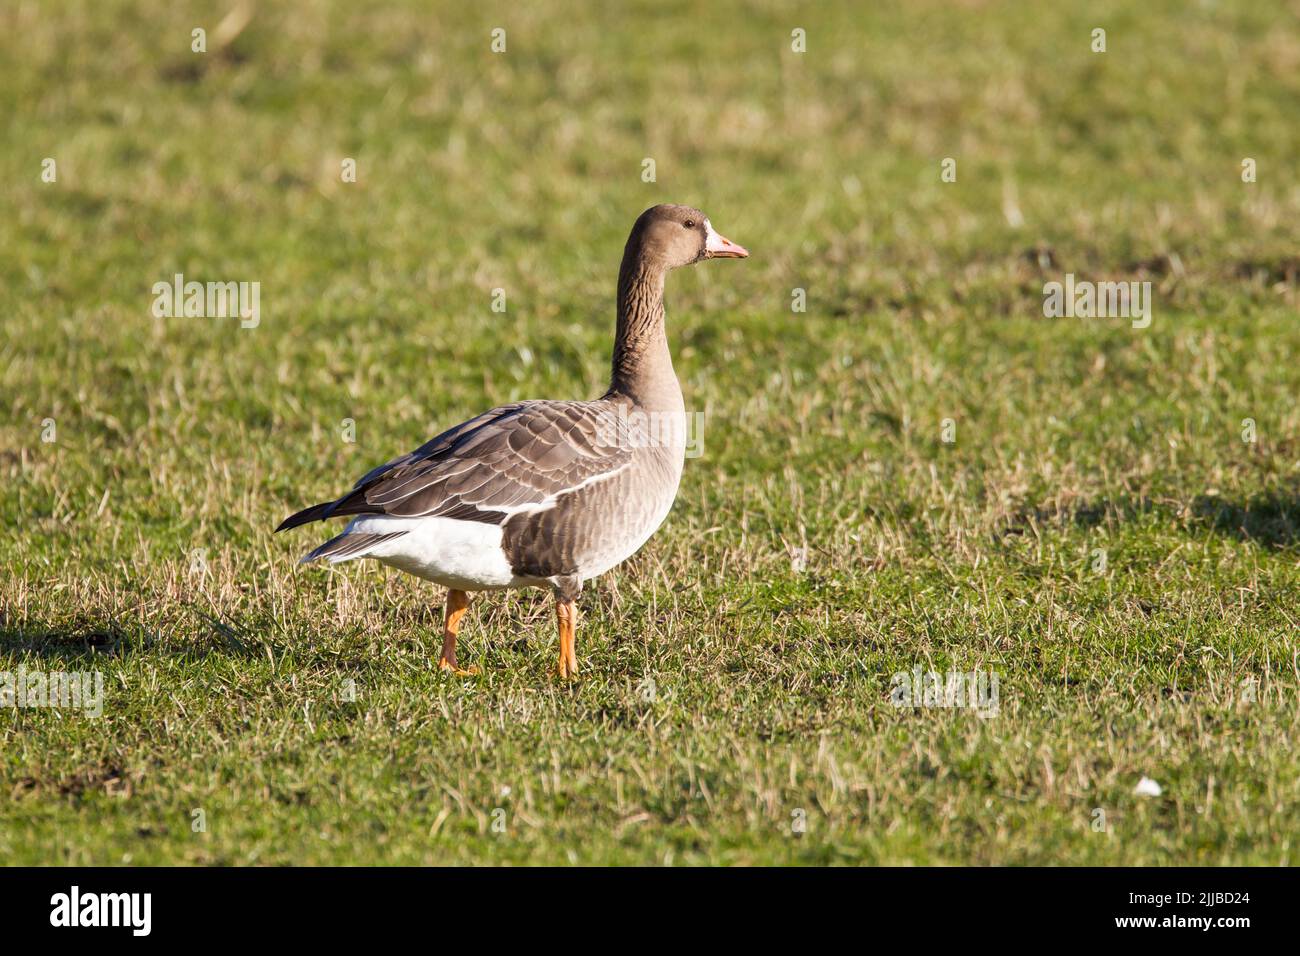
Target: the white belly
pixel 465 555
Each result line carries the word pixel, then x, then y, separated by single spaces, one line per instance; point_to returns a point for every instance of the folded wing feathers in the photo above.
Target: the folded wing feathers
pixel 515 458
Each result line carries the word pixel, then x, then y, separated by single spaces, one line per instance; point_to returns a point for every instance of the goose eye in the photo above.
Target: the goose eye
pixel 689 224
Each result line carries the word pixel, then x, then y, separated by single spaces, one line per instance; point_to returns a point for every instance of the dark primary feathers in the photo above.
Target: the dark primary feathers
pixel 503 461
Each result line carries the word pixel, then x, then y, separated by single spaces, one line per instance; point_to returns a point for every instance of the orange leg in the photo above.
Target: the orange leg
pixel 566 615
pixel 457 604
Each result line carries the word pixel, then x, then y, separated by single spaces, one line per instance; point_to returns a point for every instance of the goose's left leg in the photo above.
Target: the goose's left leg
pixel 457 603
pixel 566 615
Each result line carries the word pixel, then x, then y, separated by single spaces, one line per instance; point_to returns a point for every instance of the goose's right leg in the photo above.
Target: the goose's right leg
pixel 457 603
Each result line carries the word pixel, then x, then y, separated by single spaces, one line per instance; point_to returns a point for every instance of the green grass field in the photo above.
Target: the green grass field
pixel 1099 534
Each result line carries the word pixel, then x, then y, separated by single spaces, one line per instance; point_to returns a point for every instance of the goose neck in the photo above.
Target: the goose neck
pixel 643 366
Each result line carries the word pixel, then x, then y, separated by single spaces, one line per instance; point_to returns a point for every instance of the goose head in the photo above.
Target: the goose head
pixel 670 236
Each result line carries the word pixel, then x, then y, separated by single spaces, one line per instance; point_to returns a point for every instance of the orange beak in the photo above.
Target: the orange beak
pixel 720 247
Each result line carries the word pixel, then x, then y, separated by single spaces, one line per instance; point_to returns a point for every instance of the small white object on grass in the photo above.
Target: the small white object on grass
pixel 1147 788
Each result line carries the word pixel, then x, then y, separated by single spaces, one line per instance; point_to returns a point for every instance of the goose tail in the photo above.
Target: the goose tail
pixel 349 545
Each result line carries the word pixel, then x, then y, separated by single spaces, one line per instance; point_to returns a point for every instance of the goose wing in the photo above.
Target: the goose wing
pixel 519 457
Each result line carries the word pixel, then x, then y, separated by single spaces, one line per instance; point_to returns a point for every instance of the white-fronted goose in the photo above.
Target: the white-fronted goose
pixel 543 493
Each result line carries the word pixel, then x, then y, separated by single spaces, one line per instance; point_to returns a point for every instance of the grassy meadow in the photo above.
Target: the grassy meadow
pixel 921 470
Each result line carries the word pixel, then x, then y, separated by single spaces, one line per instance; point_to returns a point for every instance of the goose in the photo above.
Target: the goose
pixel 542 493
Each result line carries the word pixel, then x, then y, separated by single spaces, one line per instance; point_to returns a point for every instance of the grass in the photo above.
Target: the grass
pixel 728 693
